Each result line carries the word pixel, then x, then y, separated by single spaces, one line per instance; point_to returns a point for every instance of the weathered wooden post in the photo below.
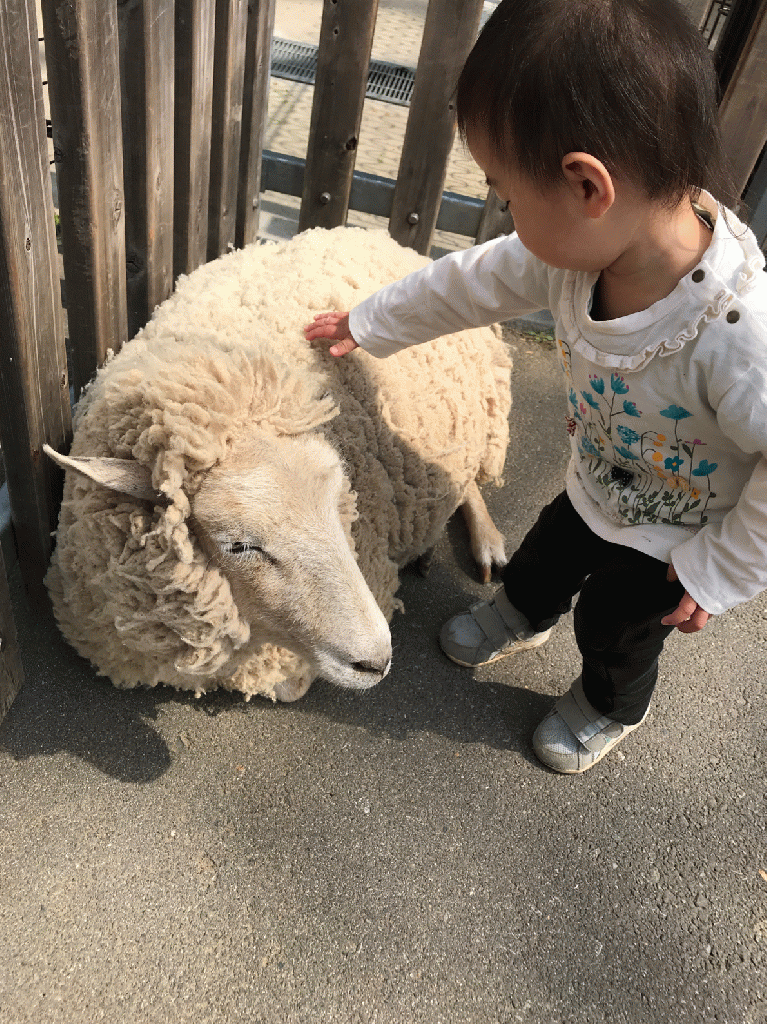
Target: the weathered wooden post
pixel 697 10
pixel 743 110
pixel 228 80
pixel 34 390
pixel 346 39
pixel 195 22
pixel 258 49
pixel 146 63
pixel 496 219
pixel 449 35
pixel 82 53
pixel 11 669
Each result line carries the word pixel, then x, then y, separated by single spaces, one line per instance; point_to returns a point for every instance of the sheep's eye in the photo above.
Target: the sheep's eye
pixel 248 549
pixel 243 547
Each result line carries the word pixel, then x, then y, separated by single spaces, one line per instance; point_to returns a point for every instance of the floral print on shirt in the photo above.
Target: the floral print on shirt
pixel 655 477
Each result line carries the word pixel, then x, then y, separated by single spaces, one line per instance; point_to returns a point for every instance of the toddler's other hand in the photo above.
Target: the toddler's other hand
pixel 688 616
pixel 335 326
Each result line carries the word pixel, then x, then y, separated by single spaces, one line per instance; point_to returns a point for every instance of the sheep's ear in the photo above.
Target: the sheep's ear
pixel 123 475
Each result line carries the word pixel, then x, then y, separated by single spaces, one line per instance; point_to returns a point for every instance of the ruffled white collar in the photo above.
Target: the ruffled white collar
pixel 729 267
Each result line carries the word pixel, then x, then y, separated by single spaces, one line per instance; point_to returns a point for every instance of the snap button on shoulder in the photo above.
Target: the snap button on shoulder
pixel 733 316
pixel 698 275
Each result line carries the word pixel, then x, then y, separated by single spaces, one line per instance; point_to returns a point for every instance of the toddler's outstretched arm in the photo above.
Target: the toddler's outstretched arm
pixel 335 326
pixel 688 616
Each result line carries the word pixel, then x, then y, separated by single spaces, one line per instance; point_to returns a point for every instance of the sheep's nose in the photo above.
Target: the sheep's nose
pixel 379 668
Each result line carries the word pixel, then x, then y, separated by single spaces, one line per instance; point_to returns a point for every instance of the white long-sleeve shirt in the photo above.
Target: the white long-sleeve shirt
pixel 666 408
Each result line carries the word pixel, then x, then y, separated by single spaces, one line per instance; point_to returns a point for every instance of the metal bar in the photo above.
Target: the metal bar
pixel 371 193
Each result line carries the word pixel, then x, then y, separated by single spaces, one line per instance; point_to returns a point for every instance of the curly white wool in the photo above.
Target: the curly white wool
pixel 223 359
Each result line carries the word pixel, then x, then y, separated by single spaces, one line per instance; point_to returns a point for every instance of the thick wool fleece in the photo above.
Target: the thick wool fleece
pixel 131 588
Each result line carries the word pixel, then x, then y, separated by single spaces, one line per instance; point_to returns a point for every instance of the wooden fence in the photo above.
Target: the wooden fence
pixel 158 111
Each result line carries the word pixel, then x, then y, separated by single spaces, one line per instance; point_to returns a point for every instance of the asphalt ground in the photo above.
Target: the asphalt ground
pixel 397 856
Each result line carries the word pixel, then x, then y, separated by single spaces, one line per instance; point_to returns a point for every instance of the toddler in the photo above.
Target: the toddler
pixel 597 121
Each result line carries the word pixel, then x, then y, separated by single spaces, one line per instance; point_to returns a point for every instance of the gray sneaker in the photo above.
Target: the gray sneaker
pixel 574 735
pixel 489 630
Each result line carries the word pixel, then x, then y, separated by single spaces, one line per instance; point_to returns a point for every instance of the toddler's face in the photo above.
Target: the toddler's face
pixel 550 222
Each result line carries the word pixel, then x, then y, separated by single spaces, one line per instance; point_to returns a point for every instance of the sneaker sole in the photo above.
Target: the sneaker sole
pixel 521 645
pixel 575 771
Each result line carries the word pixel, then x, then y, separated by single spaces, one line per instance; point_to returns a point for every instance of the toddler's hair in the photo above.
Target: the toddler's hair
pixel 629 81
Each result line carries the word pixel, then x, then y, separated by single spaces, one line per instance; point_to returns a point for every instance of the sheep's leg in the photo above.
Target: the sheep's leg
pixel 423 562
pixel 487 543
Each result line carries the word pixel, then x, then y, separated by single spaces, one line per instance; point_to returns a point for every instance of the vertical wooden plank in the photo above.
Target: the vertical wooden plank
pixel 495 220
pixel 258 52
pixel 146 64
pixel 755 201
pixel 346 39
pixel 81 48
pixel 743 110
pixel 697 10
pixel 34 391
pixel 449 35
pixel 11 669
pixel 195 25
pixel 228 81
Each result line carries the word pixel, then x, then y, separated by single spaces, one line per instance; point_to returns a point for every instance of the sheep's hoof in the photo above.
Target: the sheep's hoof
pixel 291 689
pixel 485 572
pixel 423 562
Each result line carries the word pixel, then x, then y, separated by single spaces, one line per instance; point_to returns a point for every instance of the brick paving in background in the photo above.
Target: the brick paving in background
pixel 397 39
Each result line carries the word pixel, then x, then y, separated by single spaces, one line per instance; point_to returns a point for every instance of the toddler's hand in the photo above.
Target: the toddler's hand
pixel 334 326
pixel 688 616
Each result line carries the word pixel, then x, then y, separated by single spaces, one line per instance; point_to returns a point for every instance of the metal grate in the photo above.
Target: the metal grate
pixel 392 83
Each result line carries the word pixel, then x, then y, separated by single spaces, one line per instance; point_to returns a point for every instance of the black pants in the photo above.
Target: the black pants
pixel 624 594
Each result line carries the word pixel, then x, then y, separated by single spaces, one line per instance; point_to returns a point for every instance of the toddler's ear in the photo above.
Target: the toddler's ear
pixel 591 183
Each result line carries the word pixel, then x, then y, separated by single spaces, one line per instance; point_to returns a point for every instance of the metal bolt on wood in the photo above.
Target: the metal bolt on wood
pixel 325 198
pixel 413 218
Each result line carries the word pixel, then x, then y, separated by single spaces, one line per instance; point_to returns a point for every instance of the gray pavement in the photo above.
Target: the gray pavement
pixel 398 856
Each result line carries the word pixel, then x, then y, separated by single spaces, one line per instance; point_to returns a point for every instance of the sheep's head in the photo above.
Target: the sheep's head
pixel 273 516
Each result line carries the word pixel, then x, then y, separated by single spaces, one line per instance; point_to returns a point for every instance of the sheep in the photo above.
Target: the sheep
pixel 238 504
